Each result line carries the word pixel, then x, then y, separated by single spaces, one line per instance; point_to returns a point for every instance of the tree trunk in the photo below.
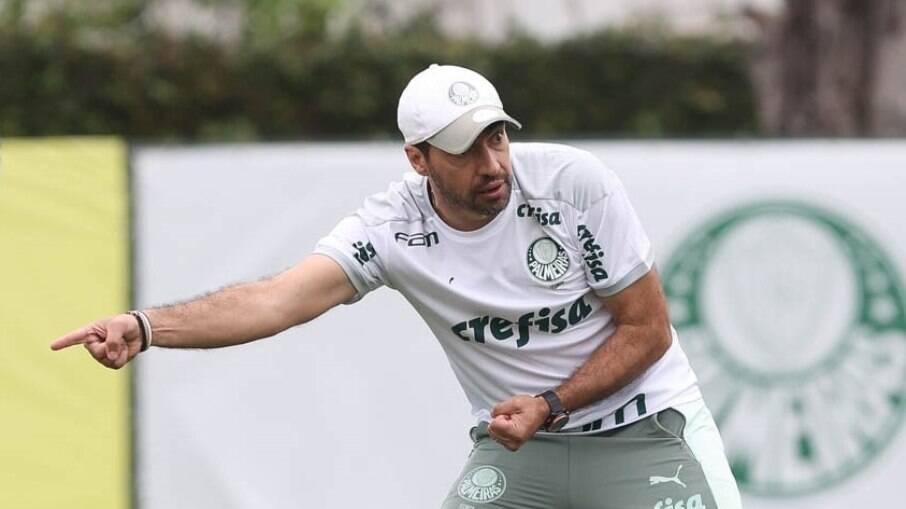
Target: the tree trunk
pixel 832 68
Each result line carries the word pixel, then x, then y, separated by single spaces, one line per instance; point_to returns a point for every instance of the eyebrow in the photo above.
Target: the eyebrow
pixel 491 130
pixel 495 127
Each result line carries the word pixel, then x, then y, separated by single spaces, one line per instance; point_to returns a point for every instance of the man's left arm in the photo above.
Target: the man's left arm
pixel 641 337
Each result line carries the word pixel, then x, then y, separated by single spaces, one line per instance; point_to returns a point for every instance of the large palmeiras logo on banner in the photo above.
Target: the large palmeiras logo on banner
pixel 795 322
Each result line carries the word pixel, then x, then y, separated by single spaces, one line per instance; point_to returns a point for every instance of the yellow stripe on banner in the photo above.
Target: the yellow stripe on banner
pixel 64 261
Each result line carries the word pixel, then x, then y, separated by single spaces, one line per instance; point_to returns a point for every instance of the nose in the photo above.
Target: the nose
pixel 489 162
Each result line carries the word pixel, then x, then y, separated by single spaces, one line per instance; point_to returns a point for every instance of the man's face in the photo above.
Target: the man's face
pixel 470 189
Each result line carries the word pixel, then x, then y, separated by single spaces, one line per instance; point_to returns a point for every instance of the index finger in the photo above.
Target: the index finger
pixel 508 407
pixel 501 426
pixel 76 337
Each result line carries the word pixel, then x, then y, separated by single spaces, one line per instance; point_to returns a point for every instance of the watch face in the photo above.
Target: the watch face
pixel 558 422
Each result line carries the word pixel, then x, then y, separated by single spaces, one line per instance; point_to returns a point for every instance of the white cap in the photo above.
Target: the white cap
pixel 448 106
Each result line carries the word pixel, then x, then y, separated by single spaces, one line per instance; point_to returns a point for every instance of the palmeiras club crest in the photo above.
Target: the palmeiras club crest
pixel 482 485
pixel 462 93
pixel 547 260
pixel 795 322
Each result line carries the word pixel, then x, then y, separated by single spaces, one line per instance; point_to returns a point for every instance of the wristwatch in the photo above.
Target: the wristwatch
pixel 559 416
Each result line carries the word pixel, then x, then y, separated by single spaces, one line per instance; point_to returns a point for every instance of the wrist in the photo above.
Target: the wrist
pixel 556 416
pixel 144 328
pixel 543 407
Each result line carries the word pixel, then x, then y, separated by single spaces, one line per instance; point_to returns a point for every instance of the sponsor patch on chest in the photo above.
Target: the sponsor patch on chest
pixel 543 217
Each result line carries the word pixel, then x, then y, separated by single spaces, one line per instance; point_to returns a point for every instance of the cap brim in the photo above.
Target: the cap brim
pixel 457 137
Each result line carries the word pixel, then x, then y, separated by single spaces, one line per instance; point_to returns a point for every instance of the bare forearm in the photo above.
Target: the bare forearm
pixel 250 311
pixel 623 358
pixel 234 315
pixel 231 316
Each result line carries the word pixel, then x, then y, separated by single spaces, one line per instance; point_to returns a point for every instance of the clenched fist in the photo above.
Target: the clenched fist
pixel 517 419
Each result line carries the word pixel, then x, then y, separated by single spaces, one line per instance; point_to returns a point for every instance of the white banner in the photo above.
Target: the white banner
pixel 782 262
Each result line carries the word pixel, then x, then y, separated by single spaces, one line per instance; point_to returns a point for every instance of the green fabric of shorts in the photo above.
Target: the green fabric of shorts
pixel 645 464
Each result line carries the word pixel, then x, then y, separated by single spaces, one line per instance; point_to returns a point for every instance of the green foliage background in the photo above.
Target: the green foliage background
pixel 85 69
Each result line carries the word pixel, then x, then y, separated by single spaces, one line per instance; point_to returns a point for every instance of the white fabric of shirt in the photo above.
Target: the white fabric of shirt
pixel 510 322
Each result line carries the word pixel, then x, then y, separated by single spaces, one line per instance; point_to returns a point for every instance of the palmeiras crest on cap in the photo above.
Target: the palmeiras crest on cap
pixel 462 93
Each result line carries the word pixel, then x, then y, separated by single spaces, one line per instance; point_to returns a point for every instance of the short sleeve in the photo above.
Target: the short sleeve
pixel 350 246
pixel 615 248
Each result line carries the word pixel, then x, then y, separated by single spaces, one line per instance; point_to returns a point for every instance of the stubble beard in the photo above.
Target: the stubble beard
pixel 470 200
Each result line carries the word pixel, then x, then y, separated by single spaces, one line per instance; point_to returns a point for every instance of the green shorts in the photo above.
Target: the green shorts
pixel 673 459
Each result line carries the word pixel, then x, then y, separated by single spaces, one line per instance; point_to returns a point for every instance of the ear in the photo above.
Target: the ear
pixel 417 160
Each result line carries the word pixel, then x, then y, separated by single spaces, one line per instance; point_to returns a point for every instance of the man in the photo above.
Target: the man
pixel 539 283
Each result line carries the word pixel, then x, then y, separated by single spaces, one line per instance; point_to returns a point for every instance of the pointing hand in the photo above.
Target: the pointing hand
pixel 112 342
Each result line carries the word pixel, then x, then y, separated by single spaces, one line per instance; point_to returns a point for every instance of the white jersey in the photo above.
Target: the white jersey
pixel 515 304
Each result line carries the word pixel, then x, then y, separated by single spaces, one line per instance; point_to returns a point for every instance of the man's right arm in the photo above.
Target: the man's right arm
pixel 234 315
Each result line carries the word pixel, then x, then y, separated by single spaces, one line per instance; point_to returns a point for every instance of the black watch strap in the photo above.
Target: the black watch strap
pixel 558 415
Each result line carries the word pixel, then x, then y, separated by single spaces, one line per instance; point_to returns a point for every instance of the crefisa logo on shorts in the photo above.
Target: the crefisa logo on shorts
pixel 693 502
pixel 482 485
